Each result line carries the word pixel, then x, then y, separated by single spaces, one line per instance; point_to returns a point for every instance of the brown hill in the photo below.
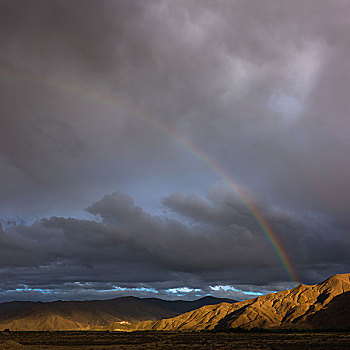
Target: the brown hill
pixel 336 314
pixel 11 345
pixel 87 315
pixel 301 307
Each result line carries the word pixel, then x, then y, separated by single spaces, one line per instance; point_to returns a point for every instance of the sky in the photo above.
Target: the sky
pixel 172 148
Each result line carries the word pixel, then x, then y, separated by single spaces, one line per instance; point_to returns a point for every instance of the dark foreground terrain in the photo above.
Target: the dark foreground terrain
pixel 167 340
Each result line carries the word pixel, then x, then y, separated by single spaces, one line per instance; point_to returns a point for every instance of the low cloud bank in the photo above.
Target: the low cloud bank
pixel 201 246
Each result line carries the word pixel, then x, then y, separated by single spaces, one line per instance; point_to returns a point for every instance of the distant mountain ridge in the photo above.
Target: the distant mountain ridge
pixel 325 305
pixel 96 314
pixel 321 306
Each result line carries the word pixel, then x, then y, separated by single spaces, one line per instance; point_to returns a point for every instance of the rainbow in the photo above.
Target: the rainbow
pixel 255 211
pixel 200 155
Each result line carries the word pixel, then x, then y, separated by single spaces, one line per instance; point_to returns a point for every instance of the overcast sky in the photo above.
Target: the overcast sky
pixel 118 120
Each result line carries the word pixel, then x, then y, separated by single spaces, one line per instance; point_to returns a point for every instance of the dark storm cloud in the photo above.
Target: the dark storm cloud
pixel 126 250
pixel 268 79
pixel 259 86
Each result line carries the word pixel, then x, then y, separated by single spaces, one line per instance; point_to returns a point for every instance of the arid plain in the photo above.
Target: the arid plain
pixel 172 340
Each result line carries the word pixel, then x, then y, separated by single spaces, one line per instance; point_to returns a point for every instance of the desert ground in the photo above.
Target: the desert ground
pixel 172 340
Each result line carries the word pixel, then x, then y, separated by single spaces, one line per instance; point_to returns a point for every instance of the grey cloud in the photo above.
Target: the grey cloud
pixel 116 207
pixel 262 78
pixel 311 242
pixel 130 248
pixel 100 95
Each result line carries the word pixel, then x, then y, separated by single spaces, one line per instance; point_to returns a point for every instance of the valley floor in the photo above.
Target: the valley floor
pixel 165 340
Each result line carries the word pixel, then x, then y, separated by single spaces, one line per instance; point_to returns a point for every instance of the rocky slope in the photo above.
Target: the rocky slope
pixel 87 315
pixel 324 305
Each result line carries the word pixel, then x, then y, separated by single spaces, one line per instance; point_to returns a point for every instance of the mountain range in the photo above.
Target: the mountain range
pixel 322 306
pixel 91 315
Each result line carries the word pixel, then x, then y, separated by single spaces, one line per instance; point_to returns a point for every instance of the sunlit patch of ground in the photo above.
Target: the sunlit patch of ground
pixel 165 340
